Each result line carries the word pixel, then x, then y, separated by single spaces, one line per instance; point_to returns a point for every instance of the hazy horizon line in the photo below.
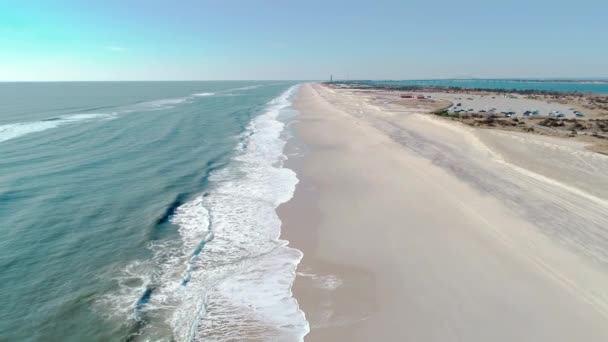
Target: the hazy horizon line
pixel 600 78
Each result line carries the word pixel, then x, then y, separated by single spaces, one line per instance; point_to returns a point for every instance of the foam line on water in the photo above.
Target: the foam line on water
pixel 226 92
pixel 249 87
pixel 16 130
pixel 160 104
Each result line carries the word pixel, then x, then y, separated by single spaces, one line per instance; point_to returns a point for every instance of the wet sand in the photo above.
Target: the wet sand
pixel 417 229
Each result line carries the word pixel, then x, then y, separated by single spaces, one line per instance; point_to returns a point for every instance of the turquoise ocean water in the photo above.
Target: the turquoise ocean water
pixel 589 87
pixel 145 211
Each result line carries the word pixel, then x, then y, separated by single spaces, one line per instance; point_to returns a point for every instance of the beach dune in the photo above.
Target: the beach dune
pixel 415 229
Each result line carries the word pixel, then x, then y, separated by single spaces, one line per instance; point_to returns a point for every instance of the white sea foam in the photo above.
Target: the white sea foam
pixel 15 130
pixel 87 116
pixel 327 282
pixel 243 276
pixel 229 276
pixel 162 104
pixel 249 87
pixel 12 131
pixel 203 94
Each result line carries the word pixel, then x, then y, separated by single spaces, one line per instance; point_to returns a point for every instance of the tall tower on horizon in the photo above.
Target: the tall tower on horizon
pixel 331 78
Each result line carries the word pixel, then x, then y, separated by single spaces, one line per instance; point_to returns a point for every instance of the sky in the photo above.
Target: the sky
pixel 305 40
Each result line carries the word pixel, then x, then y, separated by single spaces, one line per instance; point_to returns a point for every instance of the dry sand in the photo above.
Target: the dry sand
pixel 418 229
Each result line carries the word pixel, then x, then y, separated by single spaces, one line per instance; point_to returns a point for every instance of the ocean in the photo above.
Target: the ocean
pixel 145 211
pixel 545 85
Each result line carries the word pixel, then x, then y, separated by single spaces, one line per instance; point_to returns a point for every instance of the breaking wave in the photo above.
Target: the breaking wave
pixel 15 130
pixel 228 276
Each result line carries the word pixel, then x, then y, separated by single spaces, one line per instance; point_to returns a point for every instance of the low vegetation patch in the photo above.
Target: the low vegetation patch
pixel 443 112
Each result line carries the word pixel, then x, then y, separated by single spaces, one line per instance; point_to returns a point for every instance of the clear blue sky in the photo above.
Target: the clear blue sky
pixel 188 39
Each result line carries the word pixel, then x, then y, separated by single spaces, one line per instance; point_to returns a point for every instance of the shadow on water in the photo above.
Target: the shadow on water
pixel 170 210
pixel 161 224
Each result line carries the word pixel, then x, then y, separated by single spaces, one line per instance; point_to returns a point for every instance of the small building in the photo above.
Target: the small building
pixel 407 96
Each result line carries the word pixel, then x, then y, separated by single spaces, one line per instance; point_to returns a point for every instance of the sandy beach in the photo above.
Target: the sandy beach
pixel 414 228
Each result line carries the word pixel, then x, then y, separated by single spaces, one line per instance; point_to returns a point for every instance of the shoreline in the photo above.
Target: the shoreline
pixel 398 247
